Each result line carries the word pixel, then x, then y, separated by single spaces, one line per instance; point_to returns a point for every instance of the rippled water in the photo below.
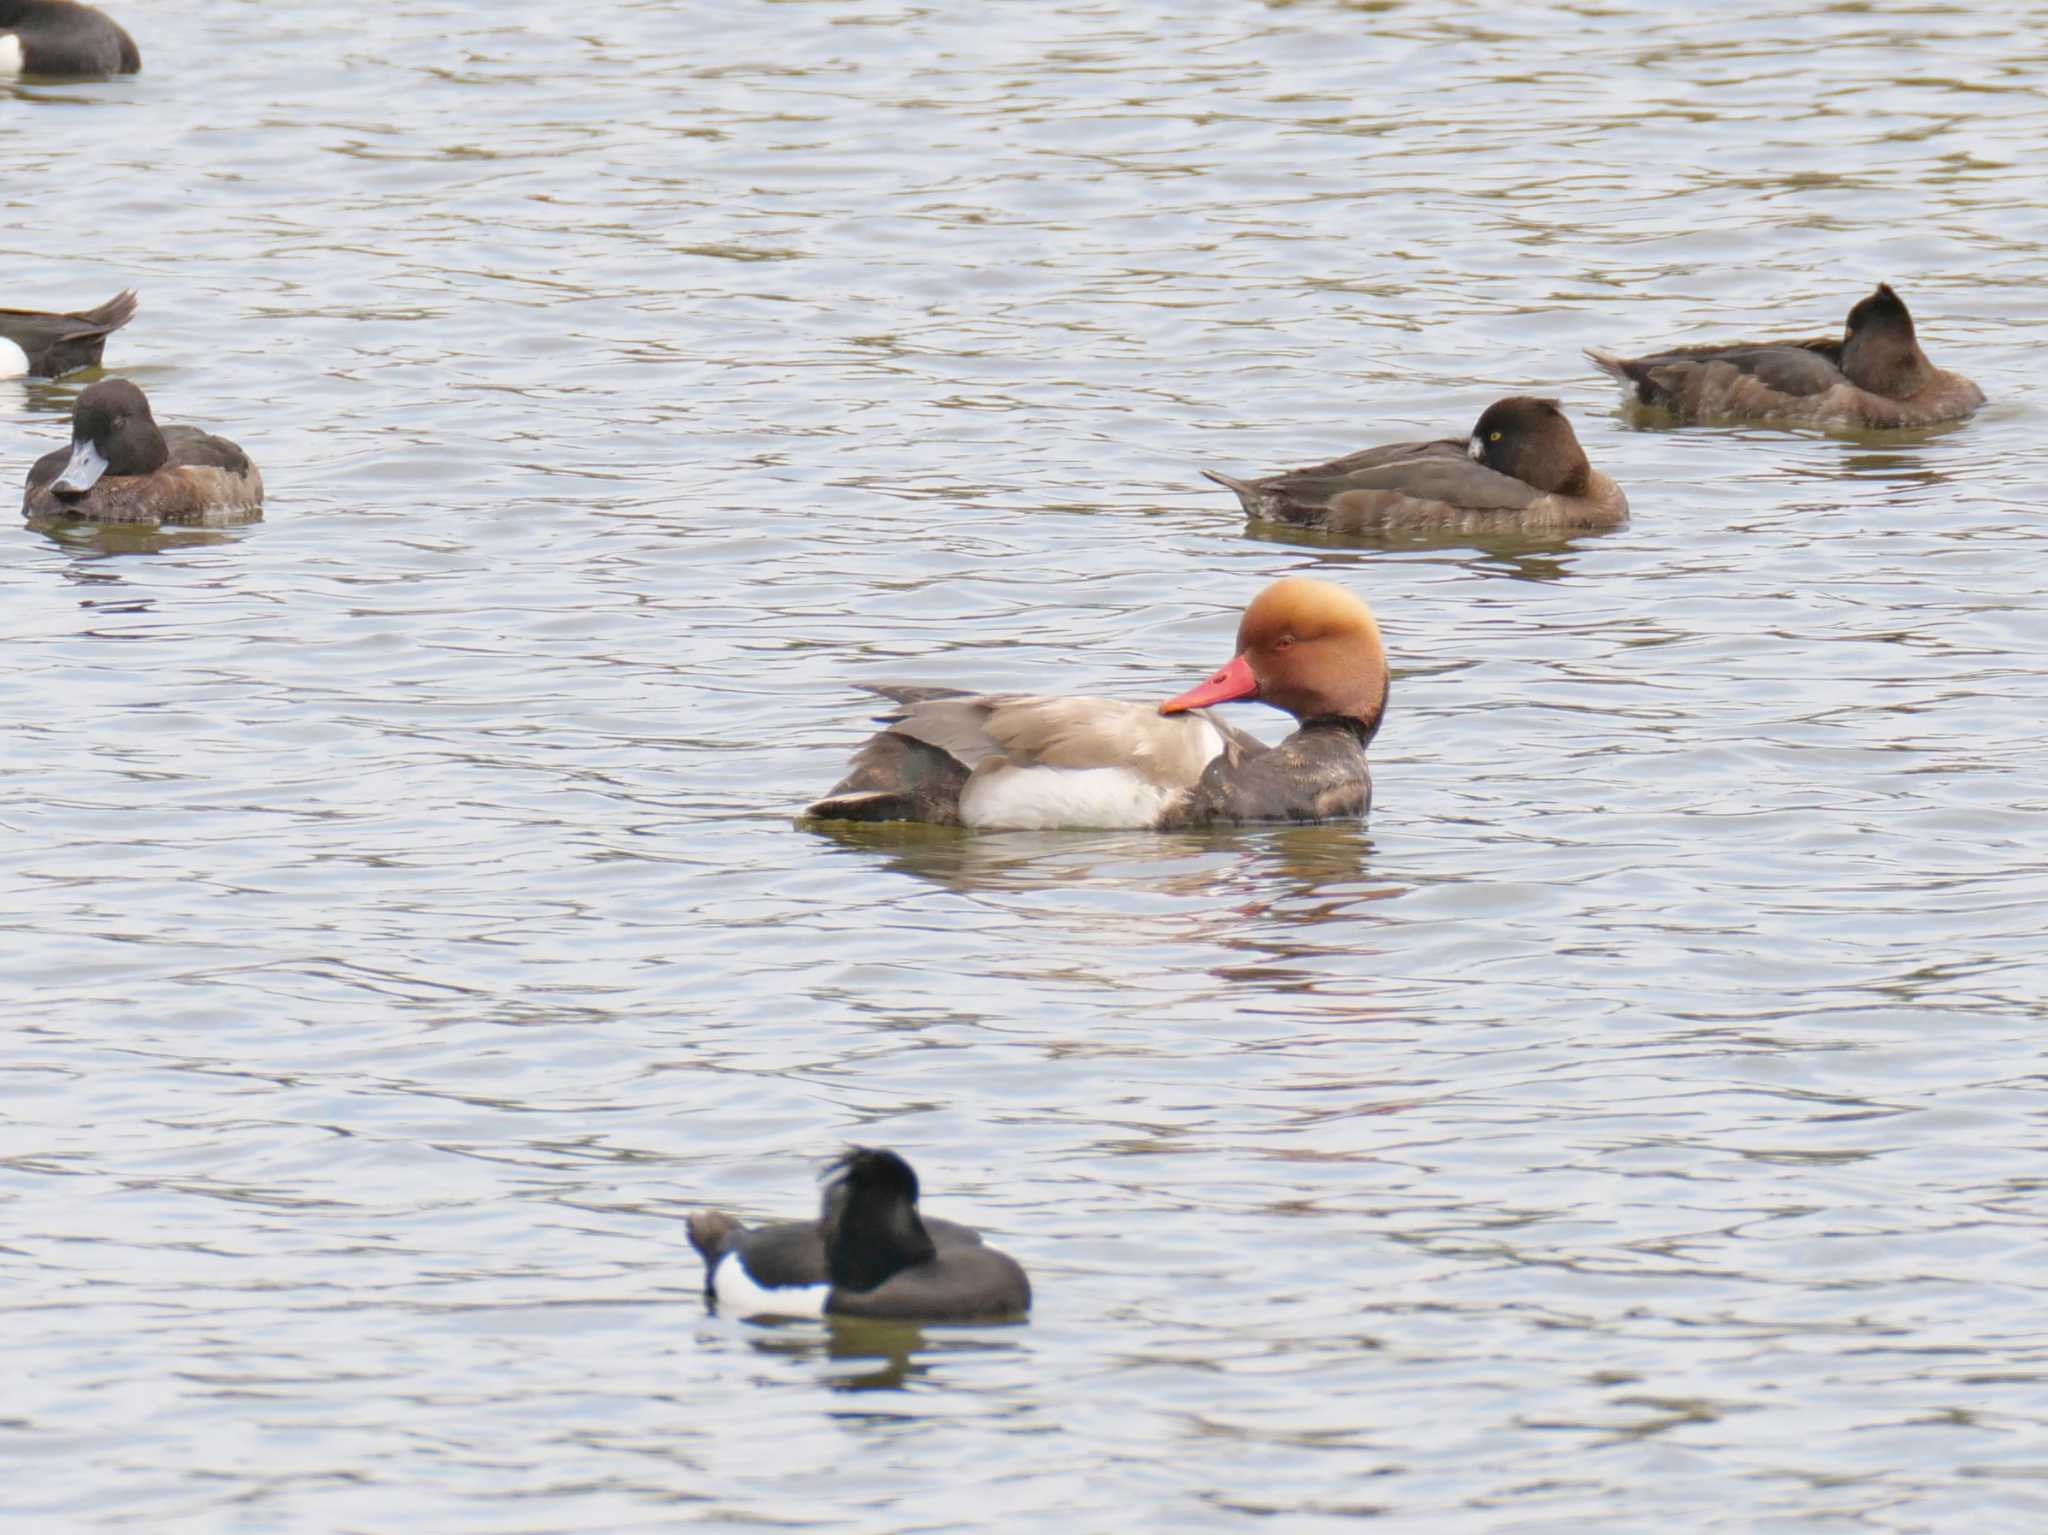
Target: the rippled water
pixel 1636 1126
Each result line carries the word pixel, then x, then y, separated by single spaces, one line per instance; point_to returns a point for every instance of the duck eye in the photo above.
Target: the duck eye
pixel 1493 437
pixel 1283 642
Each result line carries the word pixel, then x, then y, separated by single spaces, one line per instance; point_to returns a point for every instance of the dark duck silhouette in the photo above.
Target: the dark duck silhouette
pixel 60 37
pixel 869 1254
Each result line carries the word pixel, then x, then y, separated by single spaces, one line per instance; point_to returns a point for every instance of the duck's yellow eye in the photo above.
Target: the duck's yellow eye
pixel 1493 437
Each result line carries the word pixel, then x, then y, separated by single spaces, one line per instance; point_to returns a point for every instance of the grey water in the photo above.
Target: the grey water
pixel 1636 1125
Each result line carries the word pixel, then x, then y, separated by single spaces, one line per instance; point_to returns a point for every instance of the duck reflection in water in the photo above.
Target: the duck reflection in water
pixel 888 1356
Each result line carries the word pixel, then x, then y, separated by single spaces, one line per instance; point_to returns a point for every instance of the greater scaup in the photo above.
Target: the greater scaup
pixel 121 467
pixel 54 344
pixel 1520 469
pixel 1874 377
pixel 869 1254
pixel 58 37
pixel 1023 762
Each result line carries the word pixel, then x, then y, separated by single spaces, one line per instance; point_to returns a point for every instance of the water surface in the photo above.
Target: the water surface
pixel 1636 1125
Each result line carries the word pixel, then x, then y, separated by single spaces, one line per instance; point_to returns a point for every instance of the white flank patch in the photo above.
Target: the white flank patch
pixel 13 360
pixel 10 54
pixel 1010 798
pixel 739 1296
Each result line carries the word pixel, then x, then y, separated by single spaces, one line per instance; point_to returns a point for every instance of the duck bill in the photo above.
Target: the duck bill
pixel 1232 681
pixel 82 473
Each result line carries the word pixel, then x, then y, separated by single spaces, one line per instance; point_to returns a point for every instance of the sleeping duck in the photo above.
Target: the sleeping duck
pixel 1875 377
pixel 1519 470
pixel 870 1254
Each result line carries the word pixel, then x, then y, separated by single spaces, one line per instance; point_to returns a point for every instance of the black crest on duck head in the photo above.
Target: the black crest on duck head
pixel 869 1218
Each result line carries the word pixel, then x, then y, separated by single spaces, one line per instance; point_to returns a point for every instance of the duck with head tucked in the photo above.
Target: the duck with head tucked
pixel 62 38
pixel 869 1254
pixel 122 467
pixel 1031 762
pixel 1519 470
pixel 1875 377
pixel 55 344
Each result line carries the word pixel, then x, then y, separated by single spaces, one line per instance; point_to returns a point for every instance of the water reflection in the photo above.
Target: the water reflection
pixel 1283 861
pixel 886 1356
pixel 1359 1149
pixel 100 540
pixel 1634 416
pixel 1522 556
pixel 56 396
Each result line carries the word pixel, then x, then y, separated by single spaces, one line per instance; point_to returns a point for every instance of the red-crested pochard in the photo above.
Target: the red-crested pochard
pixel 869 1254
pixel 1017 761
pixel 1521 470
pixel 1874 377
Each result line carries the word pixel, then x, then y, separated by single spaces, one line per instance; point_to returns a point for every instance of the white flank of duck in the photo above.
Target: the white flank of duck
pixel 737 1294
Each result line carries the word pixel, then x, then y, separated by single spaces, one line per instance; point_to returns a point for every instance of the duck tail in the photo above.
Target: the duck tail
pixel 113 314
pixel 1614 367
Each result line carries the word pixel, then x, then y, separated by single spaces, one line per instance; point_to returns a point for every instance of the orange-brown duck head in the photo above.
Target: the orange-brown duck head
pixel 1306 646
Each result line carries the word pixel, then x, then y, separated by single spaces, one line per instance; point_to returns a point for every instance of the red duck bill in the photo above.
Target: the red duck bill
pixel 1234 680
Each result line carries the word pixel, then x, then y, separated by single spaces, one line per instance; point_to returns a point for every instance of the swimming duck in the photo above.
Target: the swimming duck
pixel 1875 377
pixel 1521 469
pixel 869 1254
pixel 58 37
pixel 121 467
pixel 53 344
pixel 1028 762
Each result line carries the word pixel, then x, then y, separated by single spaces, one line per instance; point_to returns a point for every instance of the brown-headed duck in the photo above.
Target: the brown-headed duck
pixel 869 1254
pixel 1016 761
pixel 1521 470
pixel 1875 377
pixel 54 344
pixel 59 37
pixel 121 467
